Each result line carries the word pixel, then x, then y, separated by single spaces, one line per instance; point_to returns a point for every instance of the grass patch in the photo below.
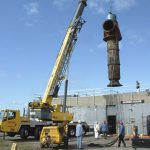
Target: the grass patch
pixel 4 144
pixel 28 147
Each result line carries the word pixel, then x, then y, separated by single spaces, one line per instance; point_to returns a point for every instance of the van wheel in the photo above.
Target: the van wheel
pixel 72 132
pixel 24 133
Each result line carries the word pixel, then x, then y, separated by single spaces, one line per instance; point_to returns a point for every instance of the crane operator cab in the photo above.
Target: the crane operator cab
pixel 51 113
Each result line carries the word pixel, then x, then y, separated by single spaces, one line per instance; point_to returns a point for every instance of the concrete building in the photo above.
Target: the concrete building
pixel 132 108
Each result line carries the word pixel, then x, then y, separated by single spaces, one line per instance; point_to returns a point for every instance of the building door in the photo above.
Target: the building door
pixel 111 124
pixel 148 125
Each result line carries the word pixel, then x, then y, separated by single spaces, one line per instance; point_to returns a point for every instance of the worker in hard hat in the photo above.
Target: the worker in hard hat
pixel 121 134
pixel 96 130
pixel 79 134
pixel 104 129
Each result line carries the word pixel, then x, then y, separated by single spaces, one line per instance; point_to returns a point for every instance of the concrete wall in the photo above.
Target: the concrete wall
pixel 93 108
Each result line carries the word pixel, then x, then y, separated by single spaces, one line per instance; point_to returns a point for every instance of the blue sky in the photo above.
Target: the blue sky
pixel 31 33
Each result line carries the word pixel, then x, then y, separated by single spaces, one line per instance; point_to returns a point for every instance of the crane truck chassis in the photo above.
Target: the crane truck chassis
pixel 12 123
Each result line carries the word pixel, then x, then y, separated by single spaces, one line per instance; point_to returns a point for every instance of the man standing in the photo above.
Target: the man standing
pixel 121 134
pixel 96 130
pixel 104 129
pixel 79 134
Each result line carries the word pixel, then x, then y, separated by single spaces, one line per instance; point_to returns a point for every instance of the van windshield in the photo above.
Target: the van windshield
pixel 1 115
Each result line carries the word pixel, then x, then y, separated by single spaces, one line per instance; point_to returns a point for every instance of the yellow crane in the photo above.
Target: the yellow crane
pixel 42 113
pixel 48 119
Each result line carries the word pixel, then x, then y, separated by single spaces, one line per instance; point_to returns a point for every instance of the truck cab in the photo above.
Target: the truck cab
pixel 9 120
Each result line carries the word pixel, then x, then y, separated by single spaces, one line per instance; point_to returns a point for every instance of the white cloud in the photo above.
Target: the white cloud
pixel 61 4
pixel 134 37
pixel 97 5
pixel 31 9
pixel 101 6
pixel 123 4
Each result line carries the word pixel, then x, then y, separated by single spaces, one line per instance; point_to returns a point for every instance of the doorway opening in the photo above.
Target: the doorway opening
pixel 111 124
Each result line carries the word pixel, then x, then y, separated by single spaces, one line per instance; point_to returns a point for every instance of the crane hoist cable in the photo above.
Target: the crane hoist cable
pixel 110 5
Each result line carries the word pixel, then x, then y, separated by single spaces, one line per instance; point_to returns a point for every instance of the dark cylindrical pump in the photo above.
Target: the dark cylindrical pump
pixel 112 36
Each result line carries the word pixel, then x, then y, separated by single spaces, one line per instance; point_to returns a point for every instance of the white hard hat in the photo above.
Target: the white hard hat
pixel 79 121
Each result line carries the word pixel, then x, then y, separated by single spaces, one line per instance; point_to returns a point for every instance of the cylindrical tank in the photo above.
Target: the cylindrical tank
pixel 112 36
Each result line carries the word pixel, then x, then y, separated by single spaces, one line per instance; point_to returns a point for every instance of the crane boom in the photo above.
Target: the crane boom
pixel 41 112
pixel 64 55
pixel 43 109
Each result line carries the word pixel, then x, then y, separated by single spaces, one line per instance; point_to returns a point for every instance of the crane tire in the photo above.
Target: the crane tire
pixel 37 133
pixel 24 133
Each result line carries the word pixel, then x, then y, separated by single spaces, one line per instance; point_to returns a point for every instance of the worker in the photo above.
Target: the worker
pixel 79 134
pixel 96 130
pixel 104 129
pixel 121 134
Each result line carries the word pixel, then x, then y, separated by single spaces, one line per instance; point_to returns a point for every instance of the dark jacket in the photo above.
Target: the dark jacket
pixel 122 130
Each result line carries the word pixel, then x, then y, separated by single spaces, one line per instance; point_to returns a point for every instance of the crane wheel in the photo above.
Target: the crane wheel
pixel 24 133
pixel 37 133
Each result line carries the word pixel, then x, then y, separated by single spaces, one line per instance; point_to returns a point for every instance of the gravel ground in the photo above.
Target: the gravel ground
pixel 31 144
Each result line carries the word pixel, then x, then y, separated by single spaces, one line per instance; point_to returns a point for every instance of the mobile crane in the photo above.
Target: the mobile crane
pixel 42 113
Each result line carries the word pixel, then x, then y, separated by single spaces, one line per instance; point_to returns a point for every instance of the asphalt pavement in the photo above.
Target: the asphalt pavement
pixel 89 143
